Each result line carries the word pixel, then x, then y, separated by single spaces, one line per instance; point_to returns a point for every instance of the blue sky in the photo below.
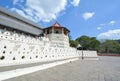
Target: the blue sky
pixel 94 18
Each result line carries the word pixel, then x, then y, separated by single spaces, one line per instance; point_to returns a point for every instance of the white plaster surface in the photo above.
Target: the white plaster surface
pixel 19 48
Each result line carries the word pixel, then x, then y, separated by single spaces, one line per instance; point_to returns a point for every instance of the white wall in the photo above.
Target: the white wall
pixel 19 49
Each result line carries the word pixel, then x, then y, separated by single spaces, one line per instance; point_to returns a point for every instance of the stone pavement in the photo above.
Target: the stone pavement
pixel 105 69
pixel 13 67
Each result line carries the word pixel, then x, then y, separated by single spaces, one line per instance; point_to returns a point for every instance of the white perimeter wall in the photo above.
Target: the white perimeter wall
pixel 19 49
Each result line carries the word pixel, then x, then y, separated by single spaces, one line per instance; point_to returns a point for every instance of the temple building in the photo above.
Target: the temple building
pixel 23 41
pixel 56 29
pixel 57 35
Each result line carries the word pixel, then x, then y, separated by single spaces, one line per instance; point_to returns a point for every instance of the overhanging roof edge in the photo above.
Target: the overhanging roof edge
pixel 21 18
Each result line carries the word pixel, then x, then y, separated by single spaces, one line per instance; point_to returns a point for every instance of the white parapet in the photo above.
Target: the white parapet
pixel 90 55
pixel 87 55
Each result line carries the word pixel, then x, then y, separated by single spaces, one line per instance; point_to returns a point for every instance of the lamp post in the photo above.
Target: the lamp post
pixel 80 46
pixel 82 53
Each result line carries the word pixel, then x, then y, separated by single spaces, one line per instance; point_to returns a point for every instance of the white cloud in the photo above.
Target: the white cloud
pixel 75 2
pixel 22 13
pixel 18 11
pixel 112 22
pixel 41 10
pixel 99 28
pixel 102 24
pixel 88 15
pixel 15 2
pixel 44 10
pixel 111 34
pixel 109 23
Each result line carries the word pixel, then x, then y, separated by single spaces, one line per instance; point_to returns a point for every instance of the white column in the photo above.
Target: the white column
pixel 62 30
pixel 45 31
pixel 52 30
pixel 67 33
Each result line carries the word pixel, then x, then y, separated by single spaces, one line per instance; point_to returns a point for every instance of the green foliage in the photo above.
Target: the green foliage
pixel 73 43
pixel 110 46
pixel 95 44
pixel 84 41
pixel 89 43
pixel 118 41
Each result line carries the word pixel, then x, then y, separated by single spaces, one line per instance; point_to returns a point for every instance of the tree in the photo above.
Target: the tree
pixel 84 41
pixel 94 44
pixel 110 46
pixel 89 43
pixel 118 41
pixel 73 43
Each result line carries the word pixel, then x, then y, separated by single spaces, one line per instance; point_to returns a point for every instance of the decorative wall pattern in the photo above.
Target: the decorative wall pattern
pixel 16 48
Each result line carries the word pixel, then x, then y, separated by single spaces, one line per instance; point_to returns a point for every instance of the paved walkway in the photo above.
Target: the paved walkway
pixel 105 69
pixel 13 67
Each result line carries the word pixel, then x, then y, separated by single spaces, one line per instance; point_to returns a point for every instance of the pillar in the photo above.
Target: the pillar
pixel 45 31
pixel 62 30
pixel 67 33
pixel 52 30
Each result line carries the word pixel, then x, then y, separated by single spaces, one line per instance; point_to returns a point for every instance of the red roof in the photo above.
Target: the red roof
pixel 57 24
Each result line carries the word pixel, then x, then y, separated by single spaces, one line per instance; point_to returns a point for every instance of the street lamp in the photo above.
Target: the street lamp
pixel 82 53
pixel 80 46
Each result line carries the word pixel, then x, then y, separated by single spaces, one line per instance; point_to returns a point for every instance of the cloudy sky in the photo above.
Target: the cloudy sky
pixel 94 18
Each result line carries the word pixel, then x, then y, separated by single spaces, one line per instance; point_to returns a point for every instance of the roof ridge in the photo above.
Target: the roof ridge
pixel 56 24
